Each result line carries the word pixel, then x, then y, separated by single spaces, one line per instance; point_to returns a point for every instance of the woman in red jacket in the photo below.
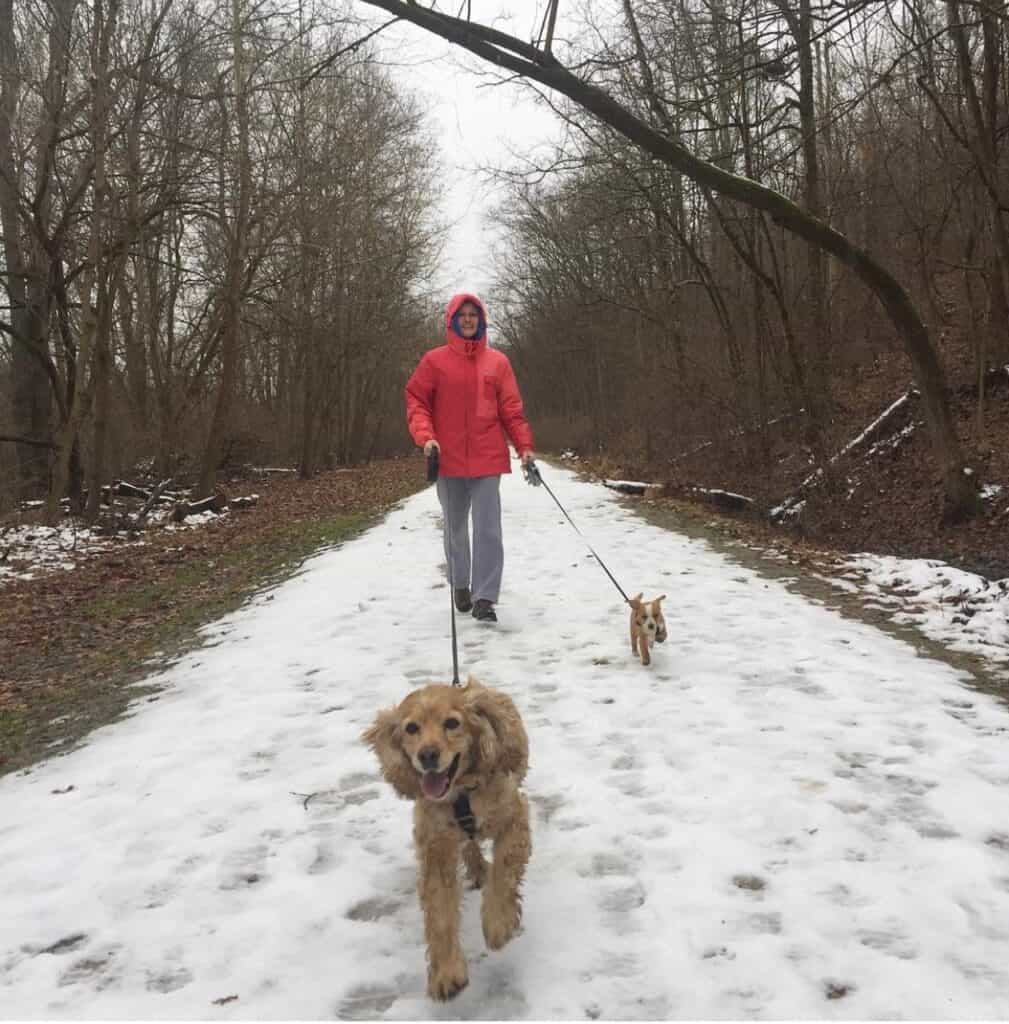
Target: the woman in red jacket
pixel 464 401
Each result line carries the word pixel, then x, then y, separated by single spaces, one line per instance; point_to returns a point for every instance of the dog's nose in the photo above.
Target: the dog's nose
pixel 429 758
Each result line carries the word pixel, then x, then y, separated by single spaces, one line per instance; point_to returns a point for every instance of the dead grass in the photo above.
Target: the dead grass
pixel 80 640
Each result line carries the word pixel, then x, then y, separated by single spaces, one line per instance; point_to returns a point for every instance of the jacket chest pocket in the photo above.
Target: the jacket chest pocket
pixel 486 399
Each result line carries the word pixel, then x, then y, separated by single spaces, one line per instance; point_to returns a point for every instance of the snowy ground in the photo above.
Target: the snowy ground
pixel 789 815
pixel 29 551
pixel 960 609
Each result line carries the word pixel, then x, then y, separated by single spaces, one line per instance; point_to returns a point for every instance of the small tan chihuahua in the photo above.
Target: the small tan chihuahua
pixel 647 626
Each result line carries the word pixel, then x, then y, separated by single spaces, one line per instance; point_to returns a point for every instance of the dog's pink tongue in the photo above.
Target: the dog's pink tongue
pixel 434 784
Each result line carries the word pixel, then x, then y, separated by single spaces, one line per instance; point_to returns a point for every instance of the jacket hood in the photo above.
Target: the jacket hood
pixel 452 335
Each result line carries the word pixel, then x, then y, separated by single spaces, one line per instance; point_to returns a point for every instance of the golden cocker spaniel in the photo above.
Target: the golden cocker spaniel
pixel 460 753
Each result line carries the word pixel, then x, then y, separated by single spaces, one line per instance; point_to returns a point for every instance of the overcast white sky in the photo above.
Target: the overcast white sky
pixel 479 125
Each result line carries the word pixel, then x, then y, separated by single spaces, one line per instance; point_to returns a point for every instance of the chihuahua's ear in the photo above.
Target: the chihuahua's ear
pixel 502 744
pixel 635 602
pixel 383 738
pixel 658 599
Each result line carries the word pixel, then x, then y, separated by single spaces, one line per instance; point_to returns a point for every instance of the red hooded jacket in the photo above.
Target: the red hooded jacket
pixel 464 395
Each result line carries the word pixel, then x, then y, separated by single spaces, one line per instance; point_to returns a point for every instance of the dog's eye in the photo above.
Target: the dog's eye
pixel 451 723
pixel 412 727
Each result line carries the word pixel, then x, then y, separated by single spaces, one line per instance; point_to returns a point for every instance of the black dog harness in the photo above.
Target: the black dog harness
pixel 464 816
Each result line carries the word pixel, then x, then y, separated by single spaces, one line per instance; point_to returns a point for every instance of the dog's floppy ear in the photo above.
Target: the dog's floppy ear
pixel 383 738
pixel 660 633
pixel 502 745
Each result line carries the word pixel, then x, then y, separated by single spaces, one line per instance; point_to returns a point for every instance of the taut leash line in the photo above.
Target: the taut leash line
pixel 432 476
pixel 533 476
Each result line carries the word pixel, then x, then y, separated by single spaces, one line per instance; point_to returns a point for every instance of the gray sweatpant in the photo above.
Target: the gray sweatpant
pixel 482 496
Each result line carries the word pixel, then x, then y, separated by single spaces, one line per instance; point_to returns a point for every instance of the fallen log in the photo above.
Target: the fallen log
pixel 33 441
pixel 217 502
pixel 725 499
pixel 151 502
pixel 792 505
pixel 124 489
pixel 631 486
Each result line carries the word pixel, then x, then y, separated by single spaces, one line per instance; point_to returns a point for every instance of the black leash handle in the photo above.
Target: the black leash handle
pixel 535 478
pixel 432 466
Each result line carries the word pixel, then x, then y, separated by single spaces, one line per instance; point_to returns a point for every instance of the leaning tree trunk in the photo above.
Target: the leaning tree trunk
pixel 527 60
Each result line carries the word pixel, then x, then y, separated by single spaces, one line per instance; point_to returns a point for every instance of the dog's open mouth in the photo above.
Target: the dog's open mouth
pixel 436 784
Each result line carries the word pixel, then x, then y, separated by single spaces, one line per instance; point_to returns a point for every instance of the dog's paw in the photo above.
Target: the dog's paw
pixel 500 924
pixel 445 981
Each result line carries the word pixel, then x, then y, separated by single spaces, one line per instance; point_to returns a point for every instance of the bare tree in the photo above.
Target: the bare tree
pixel 529 61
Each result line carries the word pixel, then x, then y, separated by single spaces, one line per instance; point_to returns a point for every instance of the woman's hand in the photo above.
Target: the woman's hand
pixel 431 446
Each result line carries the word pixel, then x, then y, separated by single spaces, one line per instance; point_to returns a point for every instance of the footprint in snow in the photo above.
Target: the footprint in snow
pixel 892 941
pixel 98 969
pixel 618 903
pixel 494 994
pixel 326 858
pixel 632 784
pixel 718 953
pixel 603 865
pixel 66 944
pixel 168 981
pixel 374 908
pixel 245 868
pixel 765 924
pixel 612 965
pixel 571 824
pixel 366 1002
pixel 547 805
pixel 258 765
pixel 420 676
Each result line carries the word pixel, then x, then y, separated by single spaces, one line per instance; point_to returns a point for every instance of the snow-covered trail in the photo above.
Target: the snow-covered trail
pixel 789 814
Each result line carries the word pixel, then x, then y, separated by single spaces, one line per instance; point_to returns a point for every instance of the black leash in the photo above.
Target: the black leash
pixel 432 476
pixel 461 810
pixel 533 476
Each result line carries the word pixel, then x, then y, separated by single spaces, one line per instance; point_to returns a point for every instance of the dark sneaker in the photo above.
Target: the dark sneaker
pixel 463 599
pixel 483 610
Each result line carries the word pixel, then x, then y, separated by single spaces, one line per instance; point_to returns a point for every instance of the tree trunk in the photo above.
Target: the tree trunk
pixel 234 278
pixel 100 258
pixel 31 394
pixel 818 345
pixel 982 140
